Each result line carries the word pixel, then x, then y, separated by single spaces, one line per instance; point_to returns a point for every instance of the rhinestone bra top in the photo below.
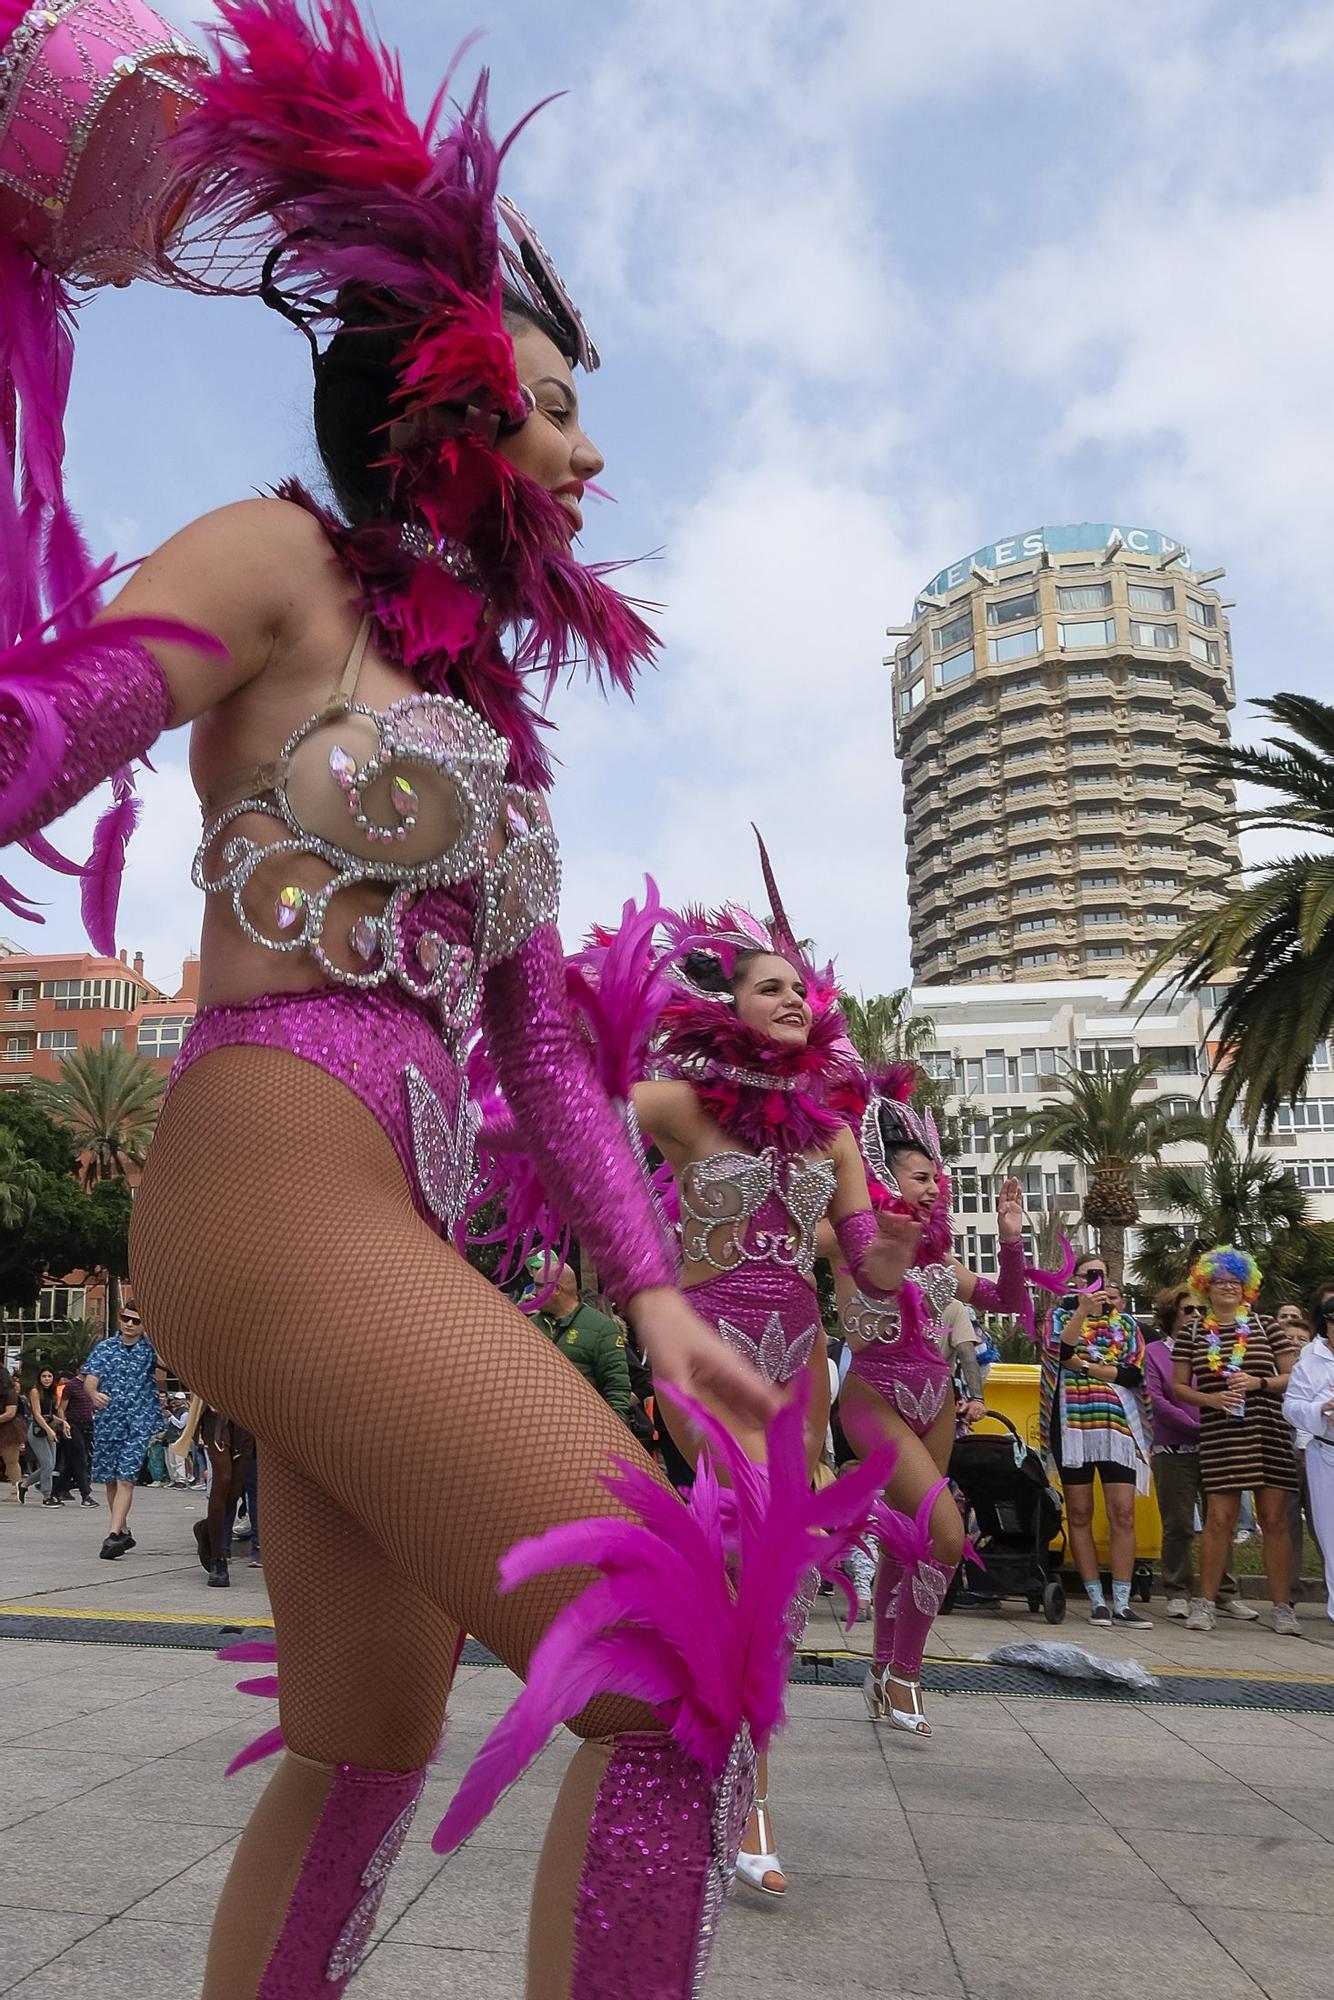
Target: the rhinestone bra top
pixel 870 1320
pixel 401 802
pixel 754 1208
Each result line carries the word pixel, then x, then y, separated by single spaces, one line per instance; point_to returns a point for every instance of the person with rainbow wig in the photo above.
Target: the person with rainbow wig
pixel 1234 1371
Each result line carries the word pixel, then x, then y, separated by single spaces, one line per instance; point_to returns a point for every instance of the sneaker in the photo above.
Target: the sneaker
pixel 1131 1617
pixel 88 1501
pixel 1101 1614
pixel 116 1545
pixel 1202 1616
pixel 1284 1621
pixel 1236 1607
pixel 1177 1607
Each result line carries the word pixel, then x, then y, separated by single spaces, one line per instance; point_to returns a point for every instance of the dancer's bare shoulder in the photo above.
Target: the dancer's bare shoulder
pixel 246 573
pixel 670 1113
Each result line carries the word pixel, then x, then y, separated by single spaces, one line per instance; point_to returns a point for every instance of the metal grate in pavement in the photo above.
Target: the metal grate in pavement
pixel 199 1632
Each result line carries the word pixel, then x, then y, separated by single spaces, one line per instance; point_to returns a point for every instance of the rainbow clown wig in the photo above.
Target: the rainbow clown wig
pixel 1226 1261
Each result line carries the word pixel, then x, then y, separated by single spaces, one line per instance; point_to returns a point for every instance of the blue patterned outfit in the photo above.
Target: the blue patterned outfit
pixel 121 1431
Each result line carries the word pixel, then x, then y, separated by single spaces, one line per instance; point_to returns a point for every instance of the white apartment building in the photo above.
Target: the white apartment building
pixel 995 1043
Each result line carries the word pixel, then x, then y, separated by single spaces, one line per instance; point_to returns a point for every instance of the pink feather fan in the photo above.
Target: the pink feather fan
pixel 690 1611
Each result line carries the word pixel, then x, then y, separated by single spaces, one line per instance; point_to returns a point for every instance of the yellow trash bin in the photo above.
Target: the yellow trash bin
pixel 1012 1388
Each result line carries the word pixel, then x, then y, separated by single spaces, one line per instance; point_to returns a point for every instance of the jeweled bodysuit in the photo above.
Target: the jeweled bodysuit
pixel 752 1218
pixel 408 975
pixel 910 1369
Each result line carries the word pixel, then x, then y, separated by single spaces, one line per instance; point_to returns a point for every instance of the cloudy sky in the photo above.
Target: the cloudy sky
pixel 876 282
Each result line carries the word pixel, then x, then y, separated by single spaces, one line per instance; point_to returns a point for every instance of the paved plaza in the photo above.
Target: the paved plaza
pixel 1034 1845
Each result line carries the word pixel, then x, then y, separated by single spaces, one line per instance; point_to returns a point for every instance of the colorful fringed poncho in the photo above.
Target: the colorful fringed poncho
pixel 1099 1422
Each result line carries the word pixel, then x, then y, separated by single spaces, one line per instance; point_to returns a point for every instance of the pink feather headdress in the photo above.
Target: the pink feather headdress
pixel 315 188
pixel 877 1105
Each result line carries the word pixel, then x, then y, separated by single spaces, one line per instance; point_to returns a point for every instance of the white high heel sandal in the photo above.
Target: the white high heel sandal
pixel 753 1868
pixel 880 1707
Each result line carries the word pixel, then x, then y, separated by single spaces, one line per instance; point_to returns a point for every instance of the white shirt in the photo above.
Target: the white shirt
pixel 1310 1387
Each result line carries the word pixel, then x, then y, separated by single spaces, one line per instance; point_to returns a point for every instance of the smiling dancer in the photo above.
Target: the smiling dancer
pixel 379 871
pixel 898 1387
pixel 727 1044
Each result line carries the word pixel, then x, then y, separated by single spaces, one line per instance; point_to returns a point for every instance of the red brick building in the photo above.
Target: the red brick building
pixel 54 1003
pixel 50 1005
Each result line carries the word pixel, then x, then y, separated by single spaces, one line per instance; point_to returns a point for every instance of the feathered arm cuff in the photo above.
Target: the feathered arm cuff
pixel 74 710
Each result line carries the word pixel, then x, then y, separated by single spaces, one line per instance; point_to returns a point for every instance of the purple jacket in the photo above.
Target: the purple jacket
pixel 1173 1424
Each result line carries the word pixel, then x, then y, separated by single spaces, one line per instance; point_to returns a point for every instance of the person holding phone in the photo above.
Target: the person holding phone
pixel 1093 1425
pixel 1308 1405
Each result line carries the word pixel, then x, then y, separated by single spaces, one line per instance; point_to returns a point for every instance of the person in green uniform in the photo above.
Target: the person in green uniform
pixel 592 1341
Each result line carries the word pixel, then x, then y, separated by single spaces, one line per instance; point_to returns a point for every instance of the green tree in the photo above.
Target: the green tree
pixel 885 1029
pixel 108 1101
pixel 1099 1118
pixel 1276 933
pixel 36 1131
pixel 1235 1197
pixel 20 1178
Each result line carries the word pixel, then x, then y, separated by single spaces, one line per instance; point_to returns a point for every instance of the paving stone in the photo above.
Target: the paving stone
pixel 958 1851
pixel 1240 1871
pixel 410 1972
pixel 1012 1946
pixel 1291 1960
pixel 122 1961
pixel 26 1943
pixel 1189 1805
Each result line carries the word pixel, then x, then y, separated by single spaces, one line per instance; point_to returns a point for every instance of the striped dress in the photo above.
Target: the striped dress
pixel 1237 1454
pixel 1089 1422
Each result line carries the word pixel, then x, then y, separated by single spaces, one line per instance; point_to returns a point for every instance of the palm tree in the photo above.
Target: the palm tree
pixel 885 1029
pixel 1093 1116
pixel 1277 932
pixel 1242 1198
pixel 107 1099
pixel 20 1178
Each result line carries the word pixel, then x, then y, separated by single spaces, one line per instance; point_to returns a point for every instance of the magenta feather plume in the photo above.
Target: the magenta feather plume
pixel 250 1650
pixel 618 989
pixel 1055 1281
pixel 18 904
pixel 664 1622
pixel 907 1537
pixel 41 850
pixel 104 870
pixel 267 1745
pixel 265 1652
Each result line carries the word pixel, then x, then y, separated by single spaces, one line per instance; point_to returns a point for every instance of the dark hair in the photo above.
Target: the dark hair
pixel 705 969
pixel 897 1142
pixel 1167 1305
pixel 355 380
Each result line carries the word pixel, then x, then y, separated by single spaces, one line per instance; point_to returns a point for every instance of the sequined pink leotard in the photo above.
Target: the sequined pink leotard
pixel 753 1217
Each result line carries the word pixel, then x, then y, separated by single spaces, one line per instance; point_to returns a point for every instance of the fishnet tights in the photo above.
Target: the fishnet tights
pixel 413 1425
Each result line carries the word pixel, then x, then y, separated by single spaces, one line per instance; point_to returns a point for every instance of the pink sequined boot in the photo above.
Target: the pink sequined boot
pixel 661 1854
pixel 343 1877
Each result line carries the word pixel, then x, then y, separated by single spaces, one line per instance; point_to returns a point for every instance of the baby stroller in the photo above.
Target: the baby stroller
pixel 1013 1514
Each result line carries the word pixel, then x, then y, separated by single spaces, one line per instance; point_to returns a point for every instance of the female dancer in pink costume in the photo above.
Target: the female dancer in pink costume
pixel 379 872
pixel 898 1387
pixel 744 1048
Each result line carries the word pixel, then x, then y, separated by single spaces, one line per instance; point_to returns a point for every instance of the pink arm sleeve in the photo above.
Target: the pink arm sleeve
pixel 1010 1293
pixel 578 1143
pixel 72 713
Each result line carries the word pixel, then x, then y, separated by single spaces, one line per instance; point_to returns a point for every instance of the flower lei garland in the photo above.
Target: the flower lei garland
pixel 1107 1340
pixel 1213 1345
